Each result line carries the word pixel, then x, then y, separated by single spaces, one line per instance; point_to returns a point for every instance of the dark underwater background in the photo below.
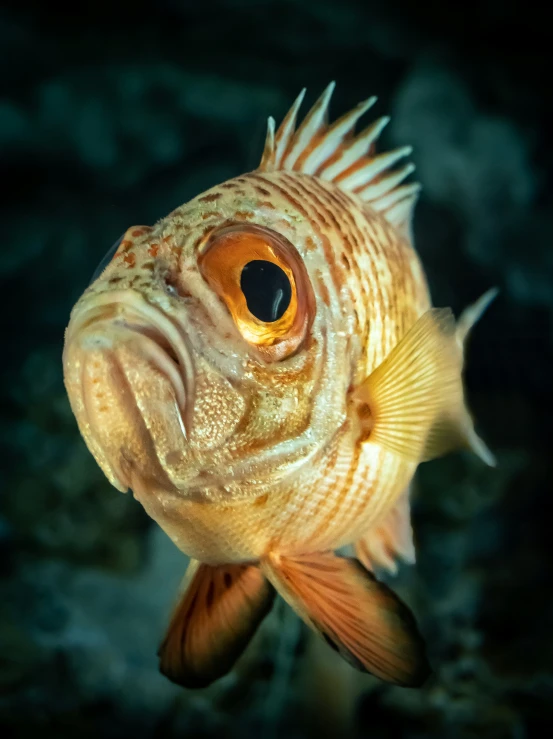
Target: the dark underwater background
pixel 112 114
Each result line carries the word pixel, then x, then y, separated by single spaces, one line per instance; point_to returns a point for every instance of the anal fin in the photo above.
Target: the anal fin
pixel 390 540
pixel 218 613
pixel 358 616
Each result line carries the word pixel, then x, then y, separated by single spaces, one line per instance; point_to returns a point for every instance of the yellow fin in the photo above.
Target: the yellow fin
pixel 473 313
pixel 413 403
pixel 389 540
pixel 358 616
pixel 218 613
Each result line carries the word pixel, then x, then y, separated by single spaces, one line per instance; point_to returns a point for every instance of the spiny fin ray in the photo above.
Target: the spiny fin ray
pixel 334 153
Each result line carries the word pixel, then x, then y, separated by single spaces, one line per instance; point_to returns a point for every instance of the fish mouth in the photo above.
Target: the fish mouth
pixel 101 341
pixel 162 341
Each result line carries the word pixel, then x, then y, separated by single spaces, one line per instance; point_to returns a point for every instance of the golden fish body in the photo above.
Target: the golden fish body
pixel 254 437
pixel 295 473
pixel 326 487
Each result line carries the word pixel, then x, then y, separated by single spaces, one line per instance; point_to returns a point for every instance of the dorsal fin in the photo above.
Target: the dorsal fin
pixel 335 153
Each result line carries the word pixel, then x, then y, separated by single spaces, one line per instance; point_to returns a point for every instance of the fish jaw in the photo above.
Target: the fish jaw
pixel 121 357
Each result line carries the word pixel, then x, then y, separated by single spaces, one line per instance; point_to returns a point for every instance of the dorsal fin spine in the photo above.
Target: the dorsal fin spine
pixel 386 184
pixel 364 175
pixel 269 149
pixel 309 127
pixel 286 129
pixel 354 151
pixel 334 153
pixel 337 131
pixel 393 197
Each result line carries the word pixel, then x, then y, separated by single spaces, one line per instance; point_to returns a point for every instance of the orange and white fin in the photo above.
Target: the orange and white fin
pixel 390 540
pixel 413 403
pixel 215 618
pixel 358 616
pixel 335 153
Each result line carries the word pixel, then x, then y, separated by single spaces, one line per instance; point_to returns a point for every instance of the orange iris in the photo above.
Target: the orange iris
pixel 221 261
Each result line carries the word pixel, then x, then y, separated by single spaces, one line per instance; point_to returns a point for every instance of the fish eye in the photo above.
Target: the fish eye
pixel 266 288
pixel 105 260
pixel 262 279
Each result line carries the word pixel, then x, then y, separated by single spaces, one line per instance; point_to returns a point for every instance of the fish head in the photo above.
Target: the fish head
pixel 199 361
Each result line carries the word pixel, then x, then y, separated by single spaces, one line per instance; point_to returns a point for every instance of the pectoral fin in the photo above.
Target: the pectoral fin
pixel 218 613
pixel 389 540
pixel 358 616
pixel 413 403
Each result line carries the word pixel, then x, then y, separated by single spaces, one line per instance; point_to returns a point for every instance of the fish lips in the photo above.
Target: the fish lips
pixel 127 380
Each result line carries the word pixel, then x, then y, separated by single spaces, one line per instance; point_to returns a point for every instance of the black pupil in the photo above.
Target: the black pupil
pixel 266 289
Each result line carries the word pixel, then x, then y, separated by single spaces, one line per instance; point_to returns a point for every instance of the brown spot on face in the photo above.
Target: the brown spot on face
pixel 211 197
pixel 324 291
pixel 262 191
pixel 150 266
pixel 137 232
pixel 267 204
pixel 130 259
pixel 229 185
pixel 244 214
pixel 173 458
pixel 114 280
pixel 309 243
pixel 153 250
pixel 261 501
pixel 126 245
pixel 345 261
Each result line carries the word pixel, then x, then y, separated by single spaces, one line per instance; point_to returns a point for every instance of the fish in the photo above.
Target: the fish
pixel 264 369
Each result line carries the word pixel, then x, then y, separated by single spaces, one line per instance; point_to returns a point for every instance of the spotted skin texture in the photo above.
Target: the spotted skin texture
pixel 272 460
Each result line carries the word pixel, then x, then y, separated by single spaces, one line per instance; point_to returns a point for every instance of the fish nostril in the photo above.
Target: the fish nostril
pixel 175 289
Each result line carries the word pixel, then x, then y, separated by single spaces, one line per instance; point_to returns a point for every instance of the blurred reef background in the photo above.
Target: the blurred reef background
pixel 114 114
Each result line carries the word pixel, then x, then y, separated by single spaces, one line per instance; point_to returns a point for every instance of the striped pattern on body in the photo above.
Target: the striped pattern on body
pixel 368 280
